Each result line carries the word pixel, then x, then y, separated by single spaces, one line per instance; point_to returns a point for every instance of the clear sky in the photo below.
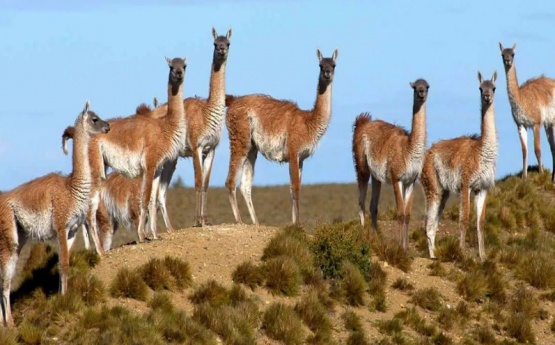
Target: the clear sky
pixel 56 54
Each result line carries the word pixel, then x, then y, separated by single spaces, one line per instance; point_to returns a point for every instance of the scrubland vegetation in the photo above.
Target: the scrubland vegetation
pixel 327 282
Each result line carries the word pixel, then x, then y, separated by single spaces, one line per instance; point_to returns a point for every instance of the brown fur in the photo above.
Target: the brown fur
pixel 474 157
pixel 153 136
pixel 50 206
pixel 204 117
pixel 388 153
pixel 529 99
pixel 280 130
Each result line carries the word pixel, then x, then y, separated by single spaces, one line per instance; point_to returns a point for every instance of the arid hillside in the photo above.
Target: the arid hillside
pixel 327 282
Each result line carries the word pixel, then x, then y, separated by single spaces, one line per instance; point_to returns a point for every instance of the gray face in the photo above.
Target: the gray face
pixel 420 87
pixel 508 56
pixel 177 69
pixel 221 45
pixel 95 124
pixel 487 88
pixel 327 66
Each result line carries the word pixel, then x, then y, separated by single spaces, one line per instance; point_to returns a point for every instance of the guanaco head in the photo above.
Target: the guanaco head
pixel 487 88
pixel 420 87
pixel 508 55
pixel 177 70
pixel 221 45
pixel 327 67
pixel 91 122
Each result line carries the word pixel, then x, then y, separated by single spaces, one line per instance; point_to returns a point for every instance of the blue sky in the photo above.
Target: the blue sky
pixel 57 54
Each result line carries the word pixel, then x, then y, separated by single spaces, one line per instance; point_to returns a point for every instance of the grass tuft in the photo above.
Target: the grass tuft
pixel 280 322
pixel 537 270
pixel 402 284
pixel 88 286
pixel 313 313
pixel 180 271
pixel 83 260
pixel 249 274
pixel 427 298
pixel 393 253
pixel 290 242
pixel 161 301
pixel 282 276
pixel 210 292
pixel 156 275
pixel 353 285
pixel 128 283
pixel 449 250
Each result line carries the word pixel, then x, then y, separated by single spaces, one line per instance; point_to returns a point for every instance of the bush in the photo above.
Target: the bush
pixel 156 275
pixel 335 243
pixel 402 284
pixel 210 292
pixel 353 284
pixel 313 313
pixel 180 271
pixel 249 274
pixel 428 298
pixel 88 286
pixel 282 276
pixel 280 322
pixel 129 284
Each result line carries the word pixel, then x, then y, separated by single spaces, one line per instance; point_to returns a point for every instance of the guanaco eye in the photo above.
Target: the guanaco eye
pixel 94 120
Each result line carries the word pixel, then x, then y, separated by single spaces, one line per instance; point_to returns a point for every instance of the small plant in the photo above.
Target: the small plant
pixel 83 260
pixel 280 322
pixel 519 327
pixel 180 271
pixel 379 302
pixel 484 335
pixel 390 327
pixel 357 338
pixel 129 284
pixel 411 318
pixel 290 242
pixel 402 284
pixel 447 317
pixel 353 284
pixel 376 278
pixel 436 269
pixel 525 302
pixel 228 322
pixel 161 301
pixel 449 250
pixel 427 298
pixel 210 292
pixel 393 253
pixel 352 321
pixel 537 270
pixel 313 313
pixel 335 243
pixel 88 286
pixel 249 274
pixel 29 333
pixel 282 276
pixel 156 275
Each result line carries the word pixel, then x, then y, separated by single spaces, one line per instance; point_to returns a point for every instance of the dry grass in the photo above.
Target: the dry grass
pixel 210 292
pixel 313 313
pixel 427 298
pixel 129 284
pixel 180 271
pixel 402 284
pixel 412 318
pixel 88 286
pixel 281 322
pixel 393 253
pixel 353 284
pixel 283 276
pixel 156 275
pixel 249 274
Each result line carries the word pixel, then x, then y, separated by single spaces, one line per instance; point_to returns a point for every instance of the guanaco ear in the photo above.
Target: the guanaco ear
pixel 86 108
pixel 514 47
pixel 155 102
pixel 480 79
pixel 168 60
pixel 214 33
pixel 184 62
pixel 334 56
pixel 228 36
pixel 501 47
pixel 494 76
pixel 411 84
pixel 319 54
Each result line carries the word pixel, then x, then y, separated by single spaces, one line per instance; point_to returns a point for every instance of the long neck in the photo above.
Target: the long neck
pixel 512 82
pixel 321 114
pixel 216 95
pixel 81 173
pixel 176 109
pixel 417 137
pixel 489 135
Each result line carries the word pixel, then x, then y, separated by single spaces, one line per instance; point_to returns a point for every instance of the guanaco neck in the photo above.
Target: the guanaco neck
pixel 176 109
pixel 417 137
pixel 489 135
pixel 321 114
pixel 512 83
pixel 81 172
pixel 214 111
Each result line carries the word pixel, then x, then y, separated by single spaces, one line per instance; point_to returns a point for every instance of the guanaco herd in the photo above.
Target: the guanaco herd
pixel 143 149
